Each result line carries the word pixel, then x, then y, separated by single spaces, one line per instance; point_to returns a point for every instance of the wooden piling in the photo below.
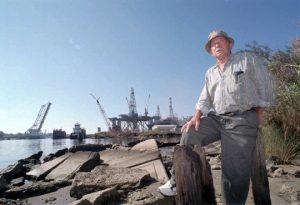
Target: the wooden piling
pixel 208 192
pixel 194 183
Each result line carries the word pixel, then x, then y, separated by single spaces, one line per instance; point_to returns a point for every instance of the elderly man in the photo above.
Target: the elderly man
pixel 236 92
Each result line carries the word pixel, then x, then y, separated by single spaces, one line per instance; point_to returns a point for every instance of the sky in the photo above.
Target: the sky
pixel 60 51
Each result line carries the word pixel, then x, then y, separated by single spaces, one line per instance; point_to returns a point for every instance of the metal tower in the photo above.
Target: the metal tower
pixel 132 105
pixel 157 111
pixel 132 121
pixel 108 124
pixel 147 106
pixel 35 129
pixel 171 108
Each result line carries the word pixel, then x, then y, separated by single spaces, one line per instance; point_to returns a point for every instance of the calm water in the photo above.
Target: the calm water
pixel 13 150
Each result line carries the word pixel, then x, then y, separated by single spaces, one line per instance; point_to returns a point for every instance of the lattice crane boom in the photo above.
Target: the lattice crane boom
pixel 108 124
pixel 40 119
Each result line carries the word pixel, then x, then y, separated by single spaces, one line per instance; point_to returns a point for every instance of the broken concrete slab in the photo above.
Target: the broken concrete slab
pixel 42 170
pixel 87 147
pixel 102 177
pixel 124 158
pixel 99 197
pixel 144 155
pixel 61 196
pixel 34 189
pixel 13 171
pixel 156 170
pixel 9 173
pixel 58 153
pixel 147 145
pixel 18 181
pixel 79 161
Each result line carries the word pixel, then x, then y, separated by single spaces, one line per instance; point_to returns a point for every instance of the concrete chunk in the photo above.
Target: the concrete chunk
pixel 156 170
pixel 103 177
pixel 45 168
pixel 147 145
pixel 79 161
pixel 148 195
pixel 99 197
pixel 124 158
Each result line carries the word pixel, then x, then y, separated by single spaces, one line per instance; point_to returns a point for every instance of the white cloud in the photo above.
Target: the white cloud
pixel 74 44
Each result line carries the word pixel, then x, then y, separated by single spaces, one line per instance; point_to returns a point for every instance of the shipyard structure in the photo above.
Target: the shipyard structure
pixel 135 122
pixel 35 130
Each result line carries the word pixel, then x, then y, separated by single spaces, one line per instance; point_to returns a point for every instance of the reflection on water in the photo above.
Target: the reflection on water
pixel 13 150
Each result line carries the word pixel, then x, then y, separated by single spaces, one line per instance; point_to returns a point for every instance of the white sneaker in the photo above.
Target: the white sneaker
pixel 167 189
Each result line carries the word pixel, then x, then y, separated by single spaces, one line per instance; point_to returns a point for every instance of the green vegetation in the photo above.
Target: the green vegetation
pixel 281 127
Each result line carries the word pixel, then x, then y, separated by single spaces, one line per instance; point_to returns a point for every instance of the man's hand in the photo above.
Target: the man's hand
pixel 195 121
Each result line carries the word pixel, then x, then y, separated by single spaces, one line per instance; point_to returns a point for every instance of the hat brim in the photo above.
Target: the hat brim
pixel 207 45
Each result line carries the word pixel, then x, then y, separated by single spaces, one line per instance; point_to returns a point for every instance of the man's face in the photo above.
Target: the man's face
pixel 220 47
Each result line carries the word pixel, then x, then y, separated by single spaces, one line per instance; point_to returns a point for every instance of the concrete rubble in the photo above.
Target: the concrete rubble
pixel 103 177
pixel 89 174
pixel 114 174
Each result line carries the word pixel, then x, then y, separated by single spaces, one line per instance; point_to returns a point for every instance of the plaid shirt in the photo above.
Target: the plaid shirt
pixel 244 83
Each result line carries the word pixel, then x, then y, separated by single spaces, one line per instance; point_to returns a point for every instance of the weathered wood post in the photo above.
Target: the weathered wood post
pixel 259 176
pixel 208 192
pixel 194 183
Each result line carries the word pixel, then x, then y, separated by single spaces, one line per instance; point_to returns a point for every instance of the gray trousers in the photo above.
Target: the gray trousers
pixel 238 136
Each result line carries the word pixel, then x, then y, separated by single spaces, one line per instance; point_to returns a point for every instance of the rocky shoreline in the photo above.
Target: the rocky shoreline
pixel 103 178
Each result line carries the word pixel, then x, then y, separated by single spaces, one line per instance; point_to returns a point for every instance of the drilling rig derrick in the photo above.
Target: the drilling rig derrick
pixel 132 121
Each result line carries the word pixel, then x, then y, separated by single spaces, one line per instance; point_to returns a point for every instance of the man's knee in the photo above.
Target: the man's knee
pixel 189 137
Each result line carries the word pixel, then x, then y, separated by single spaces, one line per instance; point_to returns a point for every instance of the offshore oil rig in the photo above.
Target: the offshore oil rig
pixel 133 121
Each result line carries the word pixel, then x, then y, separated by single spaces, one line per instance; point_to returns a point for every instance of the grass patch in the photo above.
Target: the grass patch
pixel 276 145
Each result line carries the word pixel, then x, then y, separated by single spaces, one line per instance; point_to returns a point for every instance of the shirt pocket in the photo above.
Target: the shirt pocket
pixel 239 77
pixel 236 84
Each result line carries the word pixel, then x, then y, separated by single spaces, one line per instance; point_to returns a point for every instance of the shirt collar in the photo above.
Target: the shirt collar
pixel 229 59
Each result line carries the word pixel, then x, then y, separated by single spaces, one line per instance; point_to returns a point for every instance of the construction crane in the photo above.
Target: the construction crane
pixel 35 129
pixel 108 124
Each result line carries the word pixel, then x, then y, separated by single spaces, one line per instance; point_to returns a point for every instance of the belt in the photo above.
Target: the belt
pixel 230 114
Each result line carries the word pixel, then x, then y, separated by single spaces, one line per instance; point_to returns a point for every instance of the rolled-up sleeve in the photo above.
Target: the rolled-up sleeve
pixel 204 103
pixel 265 82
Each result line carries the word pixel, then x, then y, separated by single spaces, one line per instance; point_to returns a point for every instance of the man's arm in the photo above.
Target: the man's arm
pixel 203 106
pixel 266 84
pixel 266 87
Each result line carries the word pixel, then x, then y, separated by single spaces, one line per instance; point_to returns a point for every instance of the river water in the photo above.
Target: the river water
pixel 14 149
